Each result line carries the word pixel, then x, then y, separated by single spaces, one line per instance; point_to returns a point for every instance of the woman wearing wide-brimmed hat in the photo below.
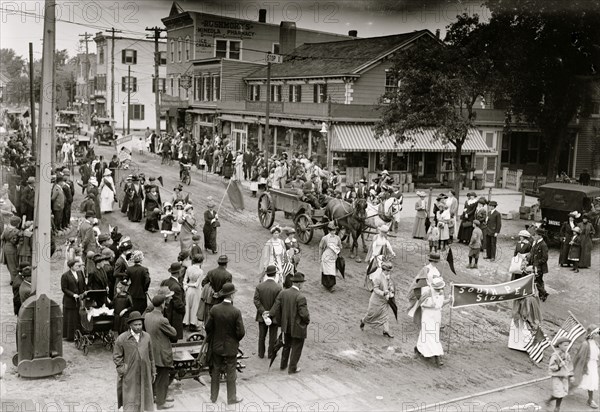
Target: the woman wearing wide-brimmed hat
pixel 108 192
pixel 422 208
pixel 273 253
pixel 522 249
pixel 329 249
pixel 587 232
pixel 383 291
pixel 566 233
pixel 188 224
pixel 431 302
pixel 381 250
pixel 466 220
pixel 211 223
pixel 575 248
pixel 586 365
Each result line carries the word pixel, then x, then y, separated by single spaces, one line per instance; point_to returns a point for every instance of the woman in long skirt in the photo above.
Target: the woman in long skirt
pixel 192 283
pixel 378 252
pixel 383 291
pixel 429 344
pixel 329 249
pixel 273 253
pixel 587 232
pixel 566 233
pixel 188 228
pixel 211 222
pixel 466 223
pixel 586 365
pixel 107 192
pixel 419 229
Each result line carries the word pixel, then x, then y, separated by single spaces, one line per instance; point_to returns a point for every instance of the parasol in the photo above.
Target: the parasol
pixel 278 345
pixel 394 307
pixel 340 265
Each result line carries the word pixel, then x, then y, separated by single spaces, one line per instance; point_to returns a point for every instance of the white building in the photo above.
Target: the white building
pixel 137 54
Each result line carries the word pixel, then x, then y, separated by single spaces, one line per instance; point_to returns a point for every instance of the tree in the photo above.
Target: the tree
pixel 13 65
pixel 439 84
pixel 547 53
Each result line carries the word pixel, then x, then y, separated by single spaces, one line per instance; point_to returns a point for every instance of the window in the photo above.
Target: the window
pixel 129 56
pixel 172 86
pixel 533 148
pixel 101 55
pixel 595 109
pixel 162 58
pixel 391 84
pixel 254 92
pixel 162 85
pixel 179 87
pixel 295 93
pixel 228 49
pixel 489 140
pixel 126 81
pixel 172 51
pixel 275 48
pixel 276 93
pixel 208 89
pixel 136 112
pixel 217 87
pixel 320 93
pixel 187 48
pixel 101 82
pixel 179 49
pixel 505 157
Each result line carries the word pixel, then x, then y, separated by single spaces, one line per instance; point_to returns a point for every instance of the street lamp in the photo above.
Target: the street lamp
pixel 123 109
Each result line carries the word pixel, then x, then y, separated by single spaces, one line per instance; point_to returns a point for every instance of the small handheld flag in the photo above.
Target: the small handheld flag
pixel 571 330
pixel 536 346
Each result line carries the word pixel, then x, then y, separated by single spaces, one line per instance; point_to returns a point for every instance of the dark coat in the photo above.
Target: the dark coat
pixel 523 247
pixel 175 310
pixel 217 278
pixel 575 249
pixel 539 256
pixel 28 201
pixel 264 297
pixel 494 223
pixel 140 281
pixel 70 287
pixel 225 329
pixel 291 312
pixel 161 333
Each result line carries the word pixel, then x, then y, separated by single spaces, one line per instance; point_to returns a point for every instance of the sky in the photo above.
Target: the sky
pixel 21 21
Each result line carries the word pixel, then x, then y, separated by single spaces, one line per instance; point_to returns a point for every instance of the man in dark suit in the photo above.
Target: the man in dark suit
pixel 139 277
pixel 161 333
pixel 291 313
pixel 264 298
pixel 494 224
pixel 121 264
pixel 28 198
pixel 539 261
pixel 72 285
pixel 217 278
pixel 175 310
pixel 85 172
pixel 69 190
pixel 248 160
pixel 225 329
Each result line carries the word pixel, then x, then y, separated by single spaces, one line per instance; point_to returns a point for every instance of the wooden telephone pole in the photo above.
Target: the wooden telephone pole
pixel 32 102
pixel 157 31
pixel 88 114
pixel 112 71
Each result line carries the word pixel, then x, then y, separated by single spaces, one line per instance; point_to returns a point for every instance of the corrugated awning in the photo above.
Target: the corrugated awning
pixel 361 138
pixel 201 111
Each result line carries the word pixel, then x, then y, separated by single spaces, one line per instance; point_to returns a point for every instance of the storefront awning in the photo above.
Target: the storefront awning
pixel 361 138
pixel 238 119
pixel 201 111
pixel 294 124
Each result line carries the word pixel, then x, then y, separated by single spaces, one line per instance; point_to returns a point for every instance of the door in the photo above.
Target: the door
pixel 430 164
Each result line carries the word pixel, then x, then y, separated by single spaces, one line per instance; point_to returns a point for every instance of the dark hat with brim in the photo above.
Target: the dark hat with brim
pixel 223 259
pixel 133 316
pixel 271 270
pixel 298 277
pixel 434 257
pixel 175 267
pixel 493 203
pixel 227 290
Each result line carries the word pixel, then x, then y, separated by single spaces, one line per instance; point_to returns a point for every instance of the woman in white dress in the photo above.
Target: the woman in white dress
pixel 107 192
pixel 329 249
pixel 239 166
pixel 379 251
pixel 273 253
pixel 431 302
pixel 444 217
pixel 586 365
pixel 192 284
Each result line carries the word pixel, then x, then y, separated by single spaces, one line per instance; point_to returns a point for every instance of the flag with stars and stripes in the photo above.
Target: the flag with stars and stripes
pixel 571 330
pixel 536 346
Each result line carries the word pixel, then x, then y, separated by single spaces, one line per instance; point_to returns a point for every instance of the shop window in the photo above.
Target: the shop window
pixel 399 162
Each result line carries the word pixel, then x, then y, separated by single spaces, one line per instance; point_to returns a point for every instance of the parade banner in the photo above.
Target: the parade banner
pixel 125 141
pixel 469 295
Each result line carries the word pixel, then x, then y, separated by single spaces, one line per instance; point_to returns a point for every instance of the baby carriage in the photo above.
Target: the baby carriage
pixel 96 321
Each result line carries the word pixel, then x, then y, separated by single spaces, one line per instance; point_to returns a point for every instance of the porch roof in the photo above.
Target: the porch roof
pixel 361 138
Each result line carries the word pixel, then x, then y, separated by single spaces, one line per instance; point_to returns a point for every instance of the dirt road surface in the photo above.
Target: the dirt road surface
pixel 342 367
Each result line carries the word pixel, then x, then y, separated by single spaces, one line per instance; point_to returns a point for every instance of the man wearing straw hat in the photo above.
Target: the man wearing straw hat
pixel 225 329
pixel 134 359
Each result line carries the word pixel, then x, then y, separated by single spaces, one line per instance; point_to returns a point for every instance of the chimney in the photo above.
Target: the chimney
pixel 353 33
pixel 262 15
pixel 437 33
pixel 287 37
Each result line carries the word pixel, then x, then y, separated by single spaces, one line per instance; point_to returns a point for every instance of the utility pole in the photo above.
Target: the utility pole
pixel 32 101
pixel 156 36
pixel 112 72
pixel 267 113
pixel 128 98
pixel 88 114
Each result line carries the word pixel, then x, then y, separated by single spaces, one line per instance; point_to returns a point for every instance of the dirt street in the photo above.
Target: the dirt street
pixel 336 351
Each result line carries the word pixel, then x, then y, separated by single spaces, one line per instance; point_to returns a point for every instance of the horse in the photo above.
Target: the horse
pixel 351 218
pixel 386 213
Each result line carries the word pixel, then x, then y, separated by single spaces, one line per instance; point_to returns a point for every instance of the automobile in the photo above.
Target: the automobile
pixel 104 130
pixel 557 200
pixel 71 119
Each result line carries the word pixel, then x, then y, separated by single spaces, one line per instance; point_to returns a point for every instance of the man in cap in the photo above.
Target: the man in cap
pixel 161 334
pixel 175 310
pixel 58 203
pixel 539 260
pixel 28 198
pixel 217 278
pixel 494 224
pixel 290 311
pixel 226 329
pixel 25 287
pixel 264 297
pixel 136 370
pixel 139 277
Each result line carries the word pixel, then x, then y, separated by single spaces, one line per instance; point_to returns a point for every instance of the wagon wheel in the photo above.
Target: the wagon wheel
pixel 196 337
pixel 304 231
pixel 266 210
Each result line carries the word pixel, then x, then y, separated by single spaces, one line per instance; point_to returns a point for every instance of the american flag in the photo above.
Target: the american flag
pixel 571 330
pixel 287 268
pixel 536 346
